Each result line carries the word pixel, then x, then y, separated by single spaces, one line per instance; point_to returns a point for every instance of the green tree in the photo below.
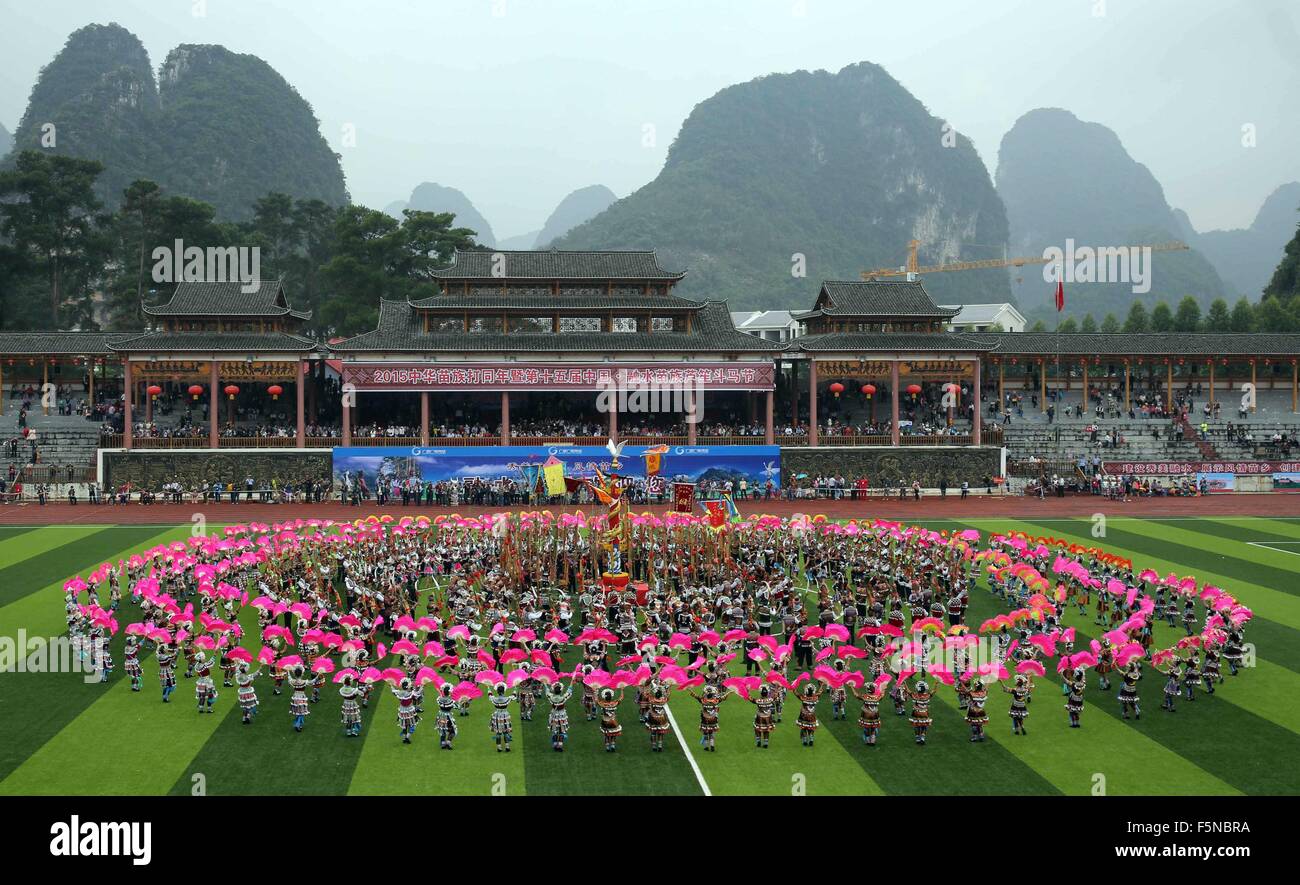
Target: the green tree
pixel 1273 315
pixel 1089 324
pixel 1243 316
pixel 1068 326
pixel 1137 320
pixel 1110 325
pixel 1188 317
pixel 48 212
pixel 1038 326
pixel 1162 318
pixel 1218 319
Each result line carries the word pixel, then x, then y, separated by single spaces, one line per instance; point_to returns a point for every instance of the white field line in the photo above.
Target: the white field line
pixel 699 775
pixel 1273 545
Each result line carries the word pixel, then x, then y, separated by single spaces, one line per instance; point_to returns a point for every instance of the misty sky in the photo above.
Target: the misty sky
pixel 518 102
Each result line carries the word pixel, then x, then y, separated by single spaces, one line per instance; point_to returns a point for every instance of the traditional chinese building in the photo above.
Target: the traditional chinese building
pixel 522 330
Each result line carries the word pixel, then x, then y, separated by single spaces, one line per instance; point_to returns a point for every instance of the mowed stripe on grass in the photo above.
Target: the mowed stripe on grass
pixel 34 559
pixel 52 704
pixel 1279 642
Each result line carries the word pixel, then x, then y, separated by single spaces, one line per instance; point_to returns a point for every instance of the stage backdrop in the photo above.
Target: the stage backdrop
pixel 693 463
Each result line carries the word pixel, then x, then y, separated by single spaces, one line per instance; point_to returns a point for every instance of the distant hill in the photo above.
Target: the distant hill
pixel 216 125
pixel 1062 178
pixel 6 140
pixel 522 241
pixel 842 169
pixel 432 197
pixel 579 206
pixel 1246 257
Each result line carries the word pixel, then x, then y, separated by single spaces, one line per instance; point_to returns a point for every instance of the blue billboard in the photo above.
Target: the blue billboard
pixel 698 464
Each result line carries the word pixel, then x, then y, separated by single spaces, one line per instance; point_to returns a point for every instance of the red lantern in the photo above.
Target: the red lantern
pixel 914 390
pixel 231 390
pixel 275 390
pixel 837 388
pixel 869 390
pixel 154 390
pixel 196 391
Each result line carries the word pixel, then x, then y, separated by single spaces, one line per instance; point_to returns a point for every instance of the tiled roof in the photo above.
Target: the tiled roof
pixel 838 342
pixel 401 329
pixel 198 342
pixel 553 264
pixel 58 343
pixel 545 301
pixel 894 298
pixel 1174 344
pixel 211 298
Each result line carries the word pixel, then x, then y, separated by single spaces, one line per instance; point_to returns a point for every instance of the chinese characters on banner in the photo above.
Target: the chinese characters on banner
pixel 1182 468
pixel 683 497
pixel 463 377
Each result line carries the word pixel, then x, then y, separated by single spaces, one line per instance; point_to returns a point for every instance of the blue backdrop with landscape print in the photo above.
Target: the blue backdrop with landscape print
pixel 693 463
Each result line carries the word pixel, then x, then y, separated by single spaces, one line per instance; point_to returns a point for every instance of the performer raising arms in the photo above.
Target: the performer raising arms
pixel 869 718
pixel 445 722
pixel 205 690
pixel 920 698
pixel 763 724
pixel 350 712
pixel 608 703
pixel 1021 689
pixel 500 722
pixel 976 697
pixel 407 716
pixel 809 695
pixel 166 657
pixel 299 707
pixel 1128 693
pixel 710 700
pixel 557 696
pixel 1075 684
pixel 656 720
pixel 246 693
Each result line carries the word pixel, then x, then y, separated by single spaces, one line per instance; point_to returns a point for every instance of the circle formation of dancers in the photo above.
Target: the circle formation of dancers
pixel 509 613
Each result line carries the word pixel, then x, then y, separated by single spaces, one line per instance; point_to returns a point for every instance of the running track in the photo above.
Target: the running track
pixel 976 507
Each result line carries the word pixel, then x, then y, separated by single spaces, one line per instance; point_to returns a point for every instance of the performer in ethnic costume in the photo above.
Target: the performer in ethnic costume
pixel 1020 692
pixel 1075 684
pixel 920 719
pixel 205 690
pixel 445 722
pixel 977 696
pixel 1105 663
pixel 131 663
pixel 558 720
pixel 407 716
pixel 1191 675
pixel 809 695
pixel 608 703
pixel 299 707
pixel 166 657
pixel 245 692
pixel 763 724
pixel 869 717
pixel 350 711
pixel 1232 650
pixel 1128 693
pixel 500 722
pixel 656 721
pixel 710 699
pixel 1210 667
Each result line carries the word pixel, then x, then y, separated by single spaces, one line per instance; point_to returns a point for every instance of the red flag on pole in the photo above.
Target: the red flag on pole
pixel 1060 294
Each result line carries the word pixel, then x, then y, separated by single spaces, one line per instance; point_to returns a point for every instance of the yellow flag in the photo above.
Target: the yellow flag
pixel 651 464
pixel 554 474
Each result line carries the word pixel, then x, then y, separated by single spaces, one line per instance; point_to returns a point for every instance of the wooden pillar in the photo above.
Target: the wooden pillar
pixel 45 386
pixel 1295 385
pixel 1212 387
pixel 91 362
pixel 1254 390
pixel 977 435
pixel 1127 402
pixel 214 403
pixel 692 418
pixel 1042 383
pixel 613 418
pixel 301 397
pixel 769 430
pixel 2 389
pixel 424 417
pixel 812 402
pixel 894 430
pixel 1002 400
pixel 505 417
pixel 794 393
pixel 1085 385
pixel 148 406
pixel 347 419
pixel 1169 386
pixel 128 382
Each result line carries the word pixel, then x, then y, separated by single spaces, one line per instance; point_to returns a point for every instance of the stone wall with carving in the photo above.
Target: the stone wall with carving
pixel 888 466
pixel 151 468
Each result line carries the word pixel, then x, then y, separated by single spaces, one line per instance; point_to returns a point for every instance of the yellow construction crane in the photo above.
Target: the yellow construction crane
pixel 912 267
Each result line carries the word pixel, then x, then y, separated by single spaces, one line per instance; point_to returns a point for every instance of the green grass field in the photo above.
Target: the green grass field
pixel 63 736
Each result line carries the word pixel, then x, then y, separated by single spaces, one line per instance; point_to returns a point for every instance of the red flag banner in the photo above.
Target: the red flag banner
pixel 1060 294
pixel 683 497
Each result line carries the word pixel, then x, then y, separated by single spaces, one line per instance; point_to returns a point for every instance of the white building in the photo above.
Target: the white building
pixel 770 325
pixel 983 317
